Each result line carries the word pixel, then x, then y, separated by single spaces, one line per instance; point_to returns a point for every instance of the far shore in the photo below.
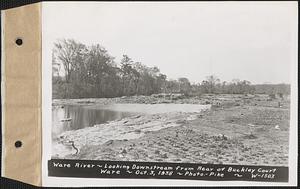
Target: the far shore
pixel 236 129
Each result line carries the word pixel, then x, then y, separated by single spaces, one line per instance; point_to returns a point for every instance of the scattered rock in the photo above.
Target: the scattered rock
pixel 124 151
pixel 177 159
pixel 164 155
pixel 108 142
pixel 207 102
pixel 200 116
pixel 137 131
pixel 251 136
pixel 234 161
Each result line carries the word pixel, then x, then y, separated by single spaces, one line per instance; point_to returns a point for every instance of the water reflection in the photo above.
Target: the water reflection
pixel 66 118
pixel 74 117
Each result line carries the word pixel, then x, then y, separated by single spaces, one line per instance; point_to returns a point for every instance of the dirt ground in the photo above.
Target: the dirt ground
pixel 248 130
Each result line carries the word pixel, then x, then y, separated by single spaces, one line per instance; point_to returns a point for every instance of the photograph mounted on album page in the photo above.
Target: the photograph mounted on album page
pixel 150 93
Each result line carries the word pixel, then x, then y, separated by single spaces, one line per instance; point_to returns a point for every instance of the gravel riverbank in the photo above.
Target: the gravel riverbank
pixel 236 130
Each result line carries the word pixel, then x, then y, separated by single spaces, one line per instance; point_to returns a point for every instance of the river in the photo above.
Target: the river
pixel 74 117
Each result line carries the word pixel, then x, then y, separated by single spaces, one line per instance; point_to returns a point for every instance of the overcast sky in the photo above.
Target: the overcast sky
pixel 252 41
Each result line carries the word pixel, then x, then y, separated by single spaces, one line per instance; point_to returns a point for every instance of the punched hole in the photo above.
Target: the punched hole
pixel 19 41
pixel 18 144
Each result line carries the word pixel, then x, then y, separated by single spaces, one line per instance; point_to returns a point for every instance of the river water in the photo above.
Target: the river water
pixel 73 117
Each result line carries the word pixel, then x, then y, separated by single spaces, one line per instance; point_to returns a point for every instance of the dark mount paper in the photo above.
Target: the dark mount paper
pixel 158 94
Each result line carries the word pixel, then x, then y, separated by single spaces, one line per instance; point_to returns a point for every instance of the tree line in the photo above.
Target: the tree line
pixel 81 71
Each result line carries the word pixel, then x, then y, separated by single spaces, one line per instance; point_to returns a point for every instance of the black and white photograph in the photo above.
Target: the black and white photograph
pixel 171 82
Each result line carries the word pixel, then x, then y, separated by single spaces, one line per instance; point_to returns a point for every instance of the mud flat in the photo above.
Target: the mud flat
pixel 248 131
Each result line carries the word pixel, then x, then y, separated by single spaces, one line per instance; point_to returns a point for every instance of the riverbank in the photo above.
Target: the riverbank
pixel 238 129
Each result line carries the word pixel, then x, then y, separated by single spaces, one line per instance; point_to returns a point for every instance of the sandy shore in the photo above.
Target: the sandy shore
pixel 238 130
